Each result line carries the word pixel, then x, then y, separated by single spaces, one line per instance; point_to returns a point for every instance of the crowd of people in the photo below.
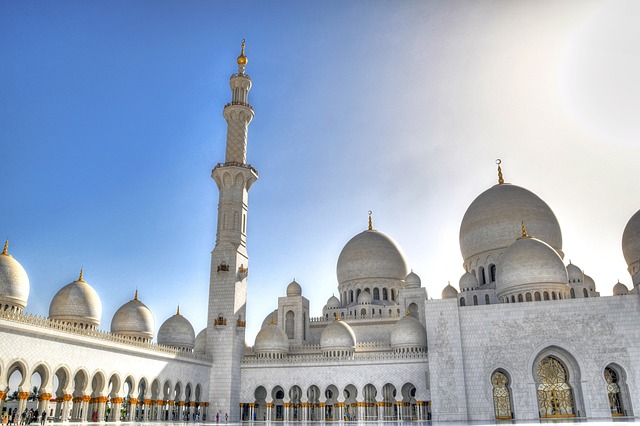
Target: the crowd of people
pixel 26 418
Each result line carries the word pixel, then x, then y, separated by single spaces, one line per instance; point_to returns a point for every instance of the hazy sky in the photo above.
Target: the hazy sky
pixel 111 121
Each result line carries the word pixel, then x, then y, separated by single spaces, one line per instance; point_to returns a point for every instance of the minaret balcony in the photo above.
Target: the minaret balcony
pixel 239 103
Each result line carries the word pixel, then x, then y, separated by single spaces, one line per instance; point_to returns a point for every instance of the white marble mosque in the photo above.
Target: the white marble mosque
pixel 524 336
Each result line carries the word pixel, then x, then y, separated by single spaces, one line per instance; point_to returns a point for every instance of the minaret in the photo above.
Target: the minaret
pixel 229 259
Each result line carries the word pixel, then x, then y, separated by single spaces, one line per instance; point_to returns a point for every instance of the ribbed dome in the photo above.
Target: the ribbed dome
pixel 468 281
pixel 631 240
pixel 574 273
pixel 294 289
pixel 620 289
pixel 493 220
pixel 449 292
pixel 408 333
pixel 338 336
pixel 271 339
pixel 371 254
pixel 77 303
pixel 200 346
pixel 364 298
pixel 134 320
pixel 527 264
pixel 14 282
pixel 412 280
pixel 178 332
pixel 333 302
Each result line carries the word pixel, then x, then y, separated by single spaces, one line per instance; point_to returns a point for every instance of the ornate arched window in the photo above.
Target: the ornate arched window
pixel 613 390
pixel 555 396
pixel 501 395
pixel 376 294
pixel 492 272
pixel 290 324
pixel 585 293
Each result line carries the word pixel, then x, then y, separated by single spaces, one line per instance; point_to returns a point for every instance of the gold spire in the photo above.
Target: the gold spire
pixel 135 296
pixel 273 320
pixel 524 231
pixel 370 223
pixel 500 179
pixel 80 277
pixel 6 247
pixel 178 313
pixel 407 312
pixel 242 60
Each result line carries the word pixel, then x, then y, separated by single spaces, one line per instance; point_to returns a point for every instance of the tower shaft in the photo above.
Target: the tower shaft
pixel 229 259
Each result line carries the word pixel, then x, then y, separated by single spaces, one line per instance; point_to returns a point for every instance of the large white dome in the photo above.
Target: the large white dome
pixel 77 303
pixel 494 218
pixel 14 282
pixel 530 264
pixel 371 254
pixel 631 240
pixel 133 320
pixel 177 332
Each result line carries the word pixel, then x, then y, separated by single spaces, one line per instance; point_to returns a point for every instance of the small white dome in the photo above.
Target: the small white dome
pixel 468 281
pixel 364 298
pixel 591 284
pixel 620 289
pixel 408 333
pixel 271 339
pixel 133 320
pixel 371 254
pixel 449 292
pixel 294 289
pixel 200 346
pixel 14 282
pixel 631 240
pixel 77 303
pixel 338 335
pixel 177 332
pixel 333 303
pixel 574 273
pixel 412 280
pixel 272 317
pixel 493 220
pixel 529 264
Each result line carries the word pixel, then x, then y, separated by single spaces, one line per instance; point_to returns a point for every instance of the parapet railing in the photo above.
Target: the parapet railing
pixel 47 323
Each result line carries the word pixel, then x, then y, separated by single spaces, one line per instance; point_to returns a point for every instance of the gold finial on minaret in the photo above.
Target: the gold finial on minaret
pixel 242 60
pixel 524 231
pixel 370 222
pixel 178 313
pixel 5 251
pixel 80 277
pixel 500 179
pixel 135 296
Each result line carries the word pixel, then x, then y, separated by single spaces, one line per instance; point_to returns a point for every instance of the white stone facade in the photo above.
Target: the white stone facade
pixel 526 337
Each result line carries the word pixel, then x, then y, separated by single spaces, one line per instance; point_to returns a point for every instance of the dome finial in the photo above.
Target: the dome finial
pixel 407 313
pixel 242 60
pixel 273 320
pixel 6 247
pixel 370 222
pixel 500 179
pixel 80 277
pixel 524 231
pixel 135 296
pixel 178 313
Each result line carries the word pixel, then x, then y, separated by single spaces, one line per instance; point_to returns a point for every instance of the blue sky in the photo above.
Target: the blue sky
pixel 111 121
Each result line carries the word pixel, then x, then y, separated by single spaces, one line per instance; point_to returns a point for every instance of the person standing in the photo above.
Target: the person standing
pixel 43 418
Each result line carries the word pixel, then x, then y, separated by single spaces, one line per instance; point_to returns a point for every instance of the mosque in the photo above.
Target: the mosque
pixel 524 336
